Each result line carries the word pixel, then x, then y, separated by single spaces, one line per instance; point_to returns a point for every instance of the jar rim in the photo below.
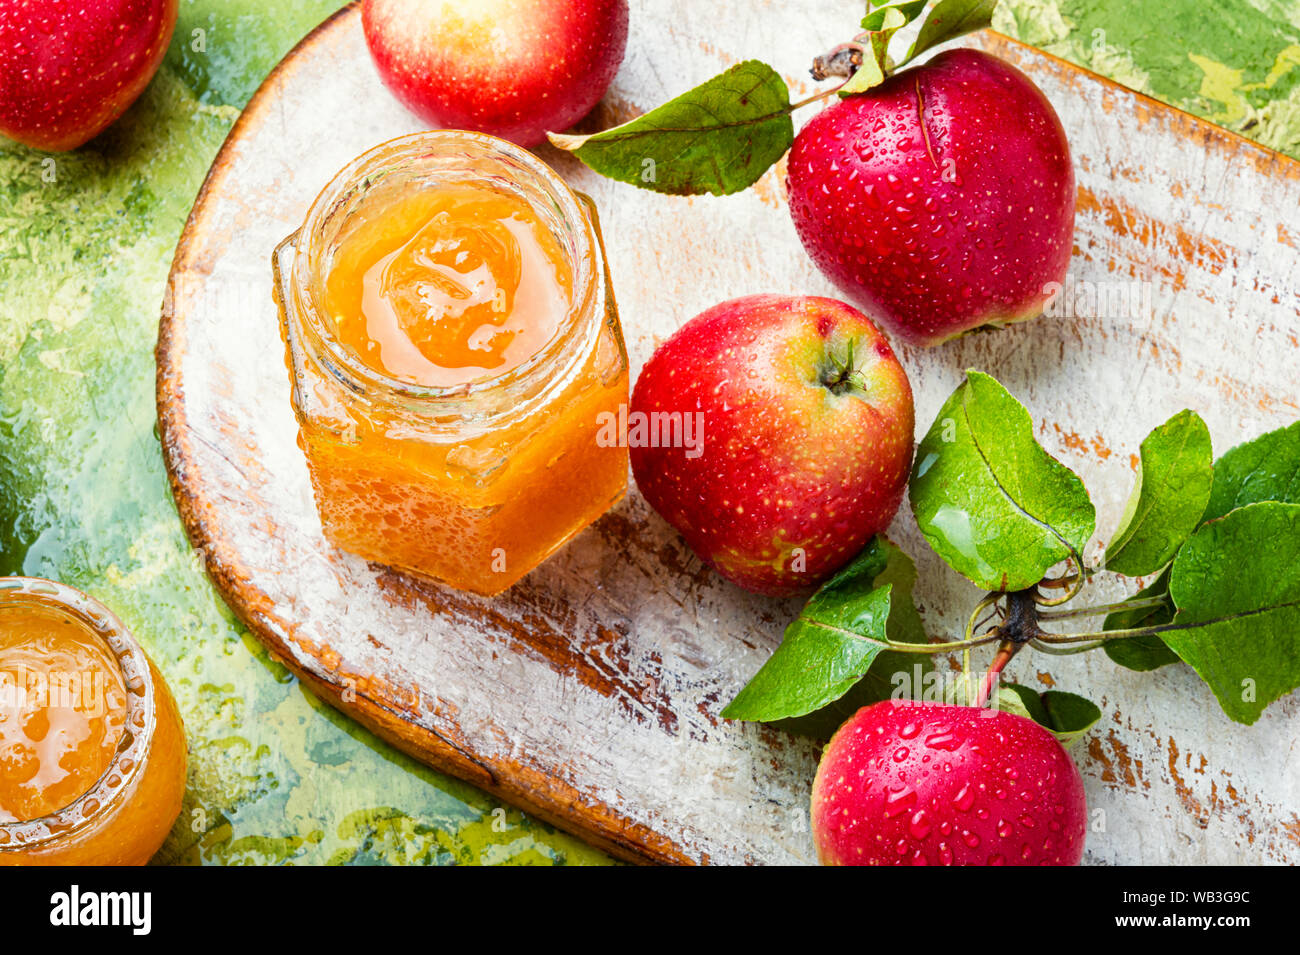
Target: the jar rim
pixel 298 255
pixel 141 711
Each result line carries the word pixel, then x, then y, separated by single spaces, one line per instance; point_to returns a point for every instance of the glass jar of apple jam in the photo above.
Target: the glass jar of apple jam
pixel 92 751
pixel 455 357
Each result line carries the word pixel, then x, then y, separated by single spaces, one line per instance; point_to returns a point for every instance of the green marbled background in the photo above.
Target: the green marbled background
pixel 275 775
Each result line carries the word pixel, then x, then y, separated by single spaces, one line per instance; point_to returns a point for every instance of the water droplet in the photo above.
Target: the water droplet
pixel 944 739
pixel 920 825
pixel 899 802
pixel 965 798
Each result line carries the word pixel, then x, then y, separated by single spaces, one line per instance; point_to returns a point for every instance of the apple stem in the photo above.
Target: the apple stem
pixel 1061 651
pixel 1139 603
pixel 1018 628
pixel 951 646
pixel 1006 650
pixel 1106 635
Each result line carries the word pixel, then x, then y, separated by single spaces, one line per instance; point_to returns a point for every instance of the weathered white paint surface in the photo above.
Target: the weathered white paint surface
pixel 1210 220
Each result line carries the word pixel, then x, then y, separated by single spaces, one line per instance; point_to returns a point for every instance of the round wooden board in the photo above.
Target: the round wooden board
pixel 589 693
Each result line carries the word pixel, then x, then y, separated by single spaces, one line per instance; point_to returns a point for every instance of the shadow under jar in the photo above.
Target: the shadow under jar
pixel 92 750
pixel 455 357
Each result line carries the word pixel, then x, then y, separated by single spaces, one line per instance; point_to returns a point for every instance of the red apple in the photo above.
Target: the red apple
pixel 802 424
pixel 69 68
pixel 904 783
pixel 941 200
pixel 513 69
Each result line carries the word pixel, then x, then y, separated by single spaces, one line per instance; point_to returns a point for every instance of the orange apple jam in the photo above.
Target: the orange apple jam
pixel 92 751
pixel 62 710
pixel 454 351
pixel 442 287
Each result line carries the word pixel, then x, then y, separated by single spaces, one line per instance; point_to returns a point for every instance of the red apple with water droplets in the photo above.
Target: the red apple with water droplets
pixel 511 68
pixel 804 443
pixel 69 68
pixel 903 783
pixel 941 200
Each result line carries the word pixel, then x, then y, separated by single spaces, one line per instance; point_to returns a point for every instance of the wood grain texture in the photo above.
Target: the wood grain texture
pixel 589 693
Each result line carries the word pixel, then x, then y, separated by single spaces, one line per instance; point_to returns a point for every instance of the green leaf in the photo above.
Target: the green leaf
pixel 1173 487
pixel 881 23
pixel 990 501
pixel 870 74
pixel 950 19
pixel 1265 469
pixel 718 138
pixel 1066 716
pixel 893 17
pixel 1148 652
pixel 822 658
pixel 1236 583
pixel 822 723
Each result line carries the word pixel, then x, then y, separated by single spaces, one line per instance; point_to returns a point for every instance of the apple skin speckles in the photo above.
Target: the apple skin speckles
pixel 904 783
pixel 509 68
pixel 800 461
pixel 940 201
pixel 69 68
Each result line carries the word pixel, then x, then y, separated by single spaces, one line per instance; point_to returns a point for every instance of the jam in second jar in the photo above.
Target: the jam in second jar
pixel 62 710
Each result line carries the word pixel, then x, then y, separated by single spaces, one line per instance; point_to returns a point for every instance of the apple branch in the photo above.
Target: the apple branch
pixel 1096 610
